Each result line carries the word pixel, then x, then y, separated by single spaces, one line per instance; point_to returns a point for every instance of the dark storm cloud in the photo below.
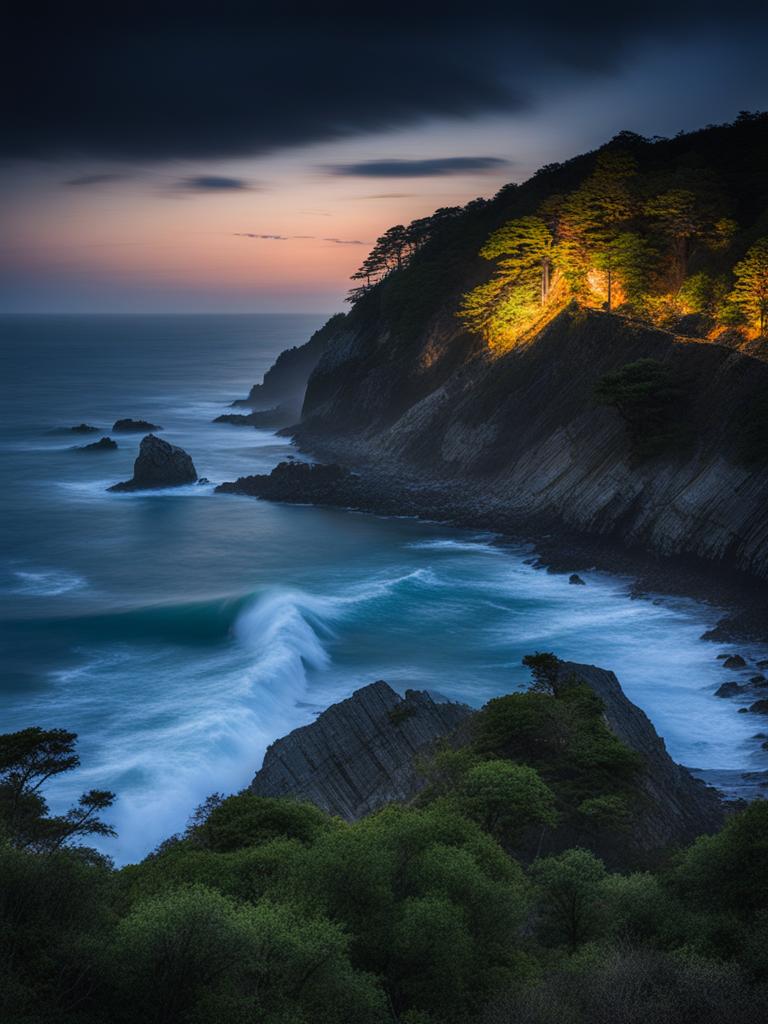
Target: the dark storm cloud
pixel 434 168
pixel 84 180
pixel 237 81
pixel 213 183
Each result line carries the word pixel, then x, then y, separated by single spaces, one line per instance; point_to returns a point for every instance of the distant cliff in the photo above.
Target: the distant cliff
pixel 284 382
pixel 362 753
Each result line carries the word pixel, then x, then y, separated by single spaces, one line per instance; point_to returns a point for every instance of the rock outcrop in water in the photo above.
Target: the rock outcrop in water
pixel 300 482
pixel 105 444
pixel 279 416
pixel 360 753
pixel 159 464
pixel 129 426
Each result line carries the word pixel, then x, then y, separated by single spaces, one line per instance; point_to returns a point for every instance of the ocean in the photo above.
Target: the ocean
pixel 179 632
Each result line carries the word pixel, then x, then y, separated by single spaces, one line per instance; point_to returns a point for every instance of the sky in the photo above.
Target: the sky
pixel 242 159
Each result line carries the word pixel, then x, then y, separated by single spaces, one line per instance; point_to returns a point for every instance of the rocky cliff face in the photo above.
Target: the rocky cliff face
pixel 526 435
pixel 359 754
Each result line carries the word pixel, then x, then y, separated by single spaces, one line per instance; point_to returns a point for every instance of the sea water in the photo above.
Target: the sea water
pixel 179 632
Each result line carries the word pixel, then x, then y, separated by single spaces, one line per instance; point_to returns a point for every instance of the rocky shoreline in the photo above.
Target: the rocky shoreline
pixel 553 547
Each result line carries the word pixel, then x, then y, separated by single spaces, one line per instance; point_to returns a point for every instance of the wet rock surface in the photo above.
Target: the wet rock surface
pixel 159 464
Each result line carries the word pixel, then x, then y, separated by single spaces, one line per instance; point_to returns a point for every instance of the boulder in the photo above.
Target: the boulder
pixel 159 464
pixel 134 427
pixel 758 680
pixel 106 444
pixel 734 661
pixel 576 580
pixel 760 707
pixel 761 664
pixel 728 690
pixel 84 428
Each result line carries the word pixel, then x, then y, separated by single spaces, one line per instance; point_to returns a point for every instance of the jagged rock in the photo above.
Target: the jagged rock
pixel 203 480
pixel 728 690
pixel 159 464
pixel 292 481
pixel 134 426
pixel 106 444
pixel 576 580
pixel 84 428
pixel 760 707
pixel 758 680
pixel 358 755
pixel 734 661
pixel 761 664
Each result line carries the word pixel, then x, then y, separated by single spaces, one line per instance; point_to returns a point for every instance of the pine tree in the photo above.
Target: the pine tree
pixel 750 293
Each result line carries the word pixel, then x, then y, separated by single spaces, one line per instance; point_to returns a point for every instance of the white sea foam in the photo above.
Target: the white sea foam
pixel 44 582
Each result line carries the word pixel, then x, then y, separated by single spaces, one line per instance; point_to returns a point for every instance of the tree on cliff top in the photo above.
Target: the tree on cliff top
pixel 750 293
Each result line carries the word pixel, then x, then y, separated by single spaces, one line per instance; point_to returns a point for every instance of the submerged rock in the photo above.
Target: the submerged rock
pixel 133 426
pixel 106 444
pixel 728 690
pixel 576 580
pixel 159 464
pixel 734 661
pixel 84 428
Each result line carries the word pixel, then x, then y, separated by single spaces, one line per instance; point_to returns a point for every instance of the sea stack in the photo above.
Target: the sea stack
pixel 159 464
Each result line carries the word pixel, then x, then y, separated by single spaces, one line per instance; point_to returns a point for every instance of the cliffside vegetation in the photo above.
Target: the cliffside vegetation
pixel 671 231
pixel 440 912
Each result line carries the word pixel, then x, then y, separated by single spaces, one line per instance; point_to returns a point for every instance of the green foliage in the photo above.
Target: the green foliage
pixel 193 954
pixel 545 669
pixel 650 400
pixel 247 820
pixel 750 292
pixel 503 796
pixel 29 759
pixel 569 890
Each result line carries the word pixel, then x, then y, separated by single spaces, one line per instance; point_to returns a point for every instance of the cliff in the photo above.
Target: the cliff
pixel 359 755
pixel 523 431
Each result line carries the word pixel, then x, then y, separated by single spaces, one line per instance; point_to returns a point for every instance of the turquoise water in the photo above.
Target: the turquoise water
pixel 179 632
